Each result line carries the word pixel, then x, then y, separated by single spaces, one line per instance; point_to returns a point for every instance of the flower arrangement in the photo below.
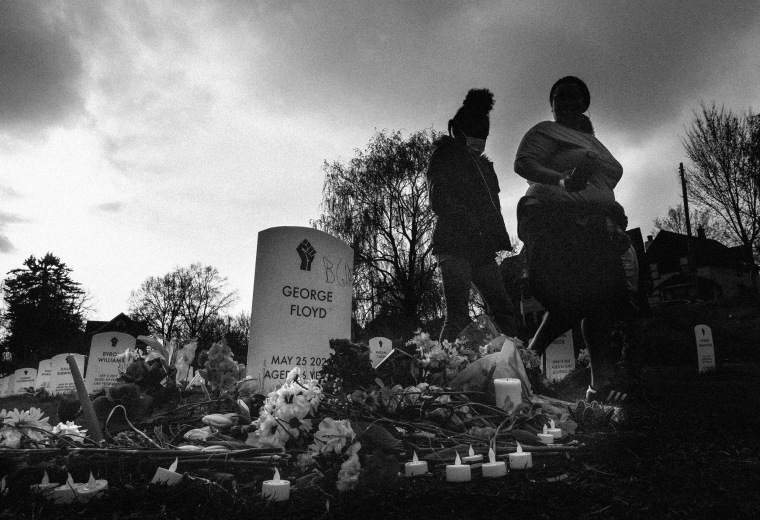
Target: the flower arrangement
pixel 287 412
pixel 17 425
pixel 220 370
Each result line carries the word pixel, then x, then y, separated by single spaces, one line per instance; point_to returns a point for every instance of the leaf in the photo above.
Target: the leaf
pixel 375 436
pixel 528 438
pixel 568 426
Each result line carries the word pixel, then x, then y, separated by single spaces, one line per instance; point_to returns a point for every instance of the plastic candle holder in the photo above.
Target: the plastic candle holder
pixel 556 432
pixel 415 467
pixel 276 489
pixel 520 459
pixel 471 457
pixel 92 489
pixel 458 472
pixel 45 487
pixel 167 476
pixel 494 468
pixel 546 437
pixel 65 493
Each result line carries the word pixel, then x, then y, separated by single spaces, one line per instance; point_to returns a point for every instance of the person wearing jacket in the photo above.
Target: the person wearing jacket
pixel 572 228
pixel 469 230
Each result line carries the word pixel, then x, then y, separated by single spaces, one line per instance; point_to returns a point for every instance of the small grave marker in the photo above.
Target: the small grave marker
pixel 705 348
pixel 379 347
pixel 559 357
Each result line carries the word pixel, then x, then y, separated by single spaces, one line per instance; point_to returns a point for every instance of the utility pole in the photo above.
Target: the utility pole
pixel 692 267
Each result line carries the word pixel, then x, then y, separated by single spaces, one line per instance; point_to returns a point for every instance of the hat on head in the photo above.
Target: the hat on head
pixel 472 117
pixel 572 80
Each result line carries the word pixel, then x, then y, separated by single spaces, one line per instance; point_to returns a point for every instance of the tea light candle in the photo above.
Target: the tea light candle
pixel 416 467
pixel 471 457
pixel 508 387
pixel 276 489
pixel 520 459
pixel 45 487
pixel 458 472
pixel 66 493
pixel 494 468
pixel 546 438
pixel 556 432
pixel 169 476
pixel 92 488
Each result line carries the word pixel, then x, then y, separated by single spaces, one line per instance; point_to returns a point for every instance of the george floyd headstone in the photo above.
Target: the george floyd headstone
pixel 44 369
pixel 379 347
pixel 560 357
pixel 301 300
pixel 705 348
pixel 102 365
pixel 61 380
pixel 24 378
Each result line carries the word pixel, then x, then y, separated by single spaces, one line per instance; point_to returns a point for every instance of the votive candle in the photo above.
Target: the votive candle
pixel 471 457
pixel 276 489
pixel 92 489
pixel 415 467
pixel 546 438
pixel 556 432
pixel 507 387
pixel 520 459
pixel 45 487
pixel 167 476
pixel 494 468
pixel 458 472
pixel 66 493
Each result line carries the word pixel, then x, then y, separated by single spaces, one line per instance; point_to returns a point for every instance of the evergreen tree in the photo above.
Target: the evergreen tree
pixel 45 310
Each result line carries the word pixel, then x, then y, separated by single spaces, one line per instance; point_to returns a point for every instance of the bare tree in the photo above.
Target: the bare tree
pixel 675 221
pixel 725 153
pixel 378 203
pixel 179 304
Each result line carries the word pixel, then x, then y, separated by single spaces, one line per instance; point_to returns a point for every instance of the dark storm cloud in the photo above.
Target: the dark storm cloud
pixel 39 68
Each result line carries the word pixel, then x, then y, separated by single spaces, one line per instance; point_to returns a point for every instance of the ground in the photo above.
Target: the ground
pixel 689 449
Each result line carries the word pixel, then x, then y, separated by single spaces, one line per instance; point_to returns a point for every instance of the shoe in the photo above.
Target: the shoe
pixel 609 394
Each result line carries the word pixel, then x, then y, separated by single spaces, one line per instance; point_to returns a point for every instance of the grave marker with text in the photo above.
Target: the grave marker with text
pixel 705 348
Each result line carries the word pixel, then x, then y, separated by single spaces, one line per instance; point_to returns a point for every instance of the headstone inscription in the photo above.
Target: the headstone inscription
pixel 102 365
pixel 560 357
pixel 24 378
pixel 705 348
pixel 301 300
pixel 61 380
pixel 44 370
pixel 379 347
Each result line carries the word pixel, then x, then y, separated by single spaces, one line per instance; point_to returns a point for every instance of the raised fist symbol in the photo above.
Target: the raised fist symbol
pixel 307 253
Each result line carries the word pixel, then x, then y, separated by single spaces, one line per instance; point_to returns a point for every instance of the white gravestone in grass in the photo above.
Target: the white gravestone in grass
pixel 705 348
pixel 24 378
pixel 102 365
pixel 4 386
pixel 379 348
pixel 9 388
pixel 61 380
pixel 301 300
pixel 44 369
pixel 560 357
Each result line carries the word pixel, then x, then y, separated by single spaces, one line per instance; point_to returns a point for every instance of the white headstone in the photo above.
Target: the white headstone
pixel 379 348
pixel 301 299
pixel 102 366
pixel 61 381
pixel 4 386
pixel 560 357
pixel 705 348
pixel 24 378
pixel 10 387
pixel 44 370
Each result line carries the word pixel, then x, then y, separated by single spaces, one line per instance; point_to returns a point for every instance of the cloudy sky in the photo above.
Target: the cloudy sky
pixel 136 136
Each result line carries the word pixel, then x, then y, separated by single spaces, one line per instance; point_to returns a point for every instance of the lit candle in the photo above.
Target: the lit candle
pixel 458 472
pixel 546 437
pixel 494 468
pixel 471 457
pixel 92 488
pixel 556 432
pixel 520 459
pixel 508 388
pixel 66 493
pixel 169 476
pixel 276 489
pixel 45 487
pixel 416 467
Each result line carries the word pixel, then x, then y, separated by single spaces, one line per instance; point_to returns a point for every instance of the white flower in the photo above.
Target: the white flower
pixel 332 435
pixel 70 431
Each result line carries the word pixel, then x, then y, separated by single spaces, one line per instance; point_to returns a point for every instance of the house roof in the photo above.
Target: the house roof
pixel 120 323
pixel 706 251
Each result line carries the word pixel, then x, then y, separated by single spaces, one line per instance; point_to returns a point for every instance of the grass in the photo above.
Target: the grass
pixel 691 450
